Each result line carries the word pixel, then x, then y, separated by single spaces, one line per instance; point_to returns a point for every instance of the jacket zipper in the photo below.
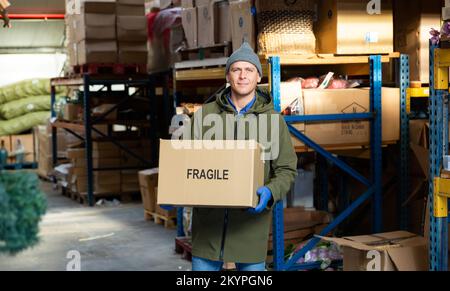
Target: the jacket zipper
pixel 225 223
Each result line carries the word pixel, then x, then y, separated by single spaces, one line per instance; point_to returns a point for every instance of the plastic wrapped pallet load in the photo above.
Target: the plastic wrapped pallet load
pixel 23 89
pixel 286 26
pixel 23 123
pixel 21 107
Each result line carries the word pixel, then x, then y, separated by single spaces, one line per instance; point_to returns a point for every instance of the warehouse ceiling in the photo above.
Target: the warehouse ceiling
pixel 33 36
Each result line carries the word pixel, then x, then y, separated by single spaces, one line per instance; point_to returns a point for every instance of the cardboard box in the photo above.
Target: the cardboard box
pixel 166 213
pixel 133 53
pixel 129 187
pixel 95 26
pixel 412 33
pixel 189 21
pixel 72 112
pixel 132 28
pixel 148 181
pixel 348 133
pixel 300 224
pixel 399 251
pixel 242 24
pixel 98 6
pixel 45 143
pixel 222 31
pixel 90 51
pixel 81 187
pixel 72 54
pixel 129 176
pixel 4 4
pixel 213 19
pixel 113 153
pixel 128 160
pixel 45 165
pixel 205 22
pixel 346 27
pixel 98 163
pixel 233 173
pixel 130 8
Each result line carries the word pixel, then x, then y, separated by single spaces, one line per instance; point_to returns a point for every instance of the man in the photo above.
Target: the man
pixel 240 235
pixel 4 13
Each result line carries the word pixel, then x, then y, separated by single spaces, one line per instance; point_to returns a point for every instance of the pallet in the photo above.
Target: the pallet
pixel 168 222
pixel 183 245
pixel 82 198
pixel 211 52
pixel 115 69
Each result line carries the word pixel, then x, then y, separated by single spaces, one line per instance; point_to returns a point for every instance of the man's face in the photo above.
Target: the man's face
pixel 243 78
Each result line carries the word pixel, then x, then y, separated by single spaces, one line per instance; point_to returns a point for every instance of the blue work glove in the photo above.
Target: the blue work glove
pixel 167 207
pixel 265 195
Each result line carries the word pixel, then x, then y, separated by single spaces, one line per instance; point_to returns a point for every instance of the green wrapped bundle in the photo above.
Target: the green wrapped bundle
pixel 22 205
pixel 24 89
pixel 23 123
pixel 21 107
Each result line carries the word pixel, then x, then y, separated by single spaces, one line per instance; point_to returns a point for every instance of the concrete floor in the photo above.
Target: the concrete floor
pixel 107 238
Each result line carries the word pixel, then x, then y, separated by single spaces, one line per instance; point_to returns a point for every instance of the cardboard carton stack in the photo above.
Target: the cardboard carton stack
pixel 412 33
pixel 107 31
pixel 131 32
pixel 108 155
pixel 206 22
pixel 242 23
pixel 92 33
pixel 105 155
pixel 148 181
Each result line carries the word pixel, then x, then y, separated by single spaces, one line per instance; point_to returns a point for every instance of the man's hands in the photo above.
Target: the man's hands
pixel 265 195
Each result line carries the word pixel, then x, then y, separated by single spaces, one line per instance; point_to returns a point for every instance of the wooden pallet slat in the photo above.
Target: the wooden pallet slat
pixel 168 222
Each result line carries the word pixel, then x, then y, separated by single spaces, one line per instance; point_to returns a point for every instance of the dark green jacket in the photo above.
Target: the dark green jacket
pixel 234 235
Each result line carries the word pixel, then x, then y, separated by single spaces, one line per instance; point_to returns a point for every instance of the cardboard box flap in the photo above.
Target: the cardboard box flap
pixel 381 241
pixel 132 22
pixel 410 258
pixel 347 243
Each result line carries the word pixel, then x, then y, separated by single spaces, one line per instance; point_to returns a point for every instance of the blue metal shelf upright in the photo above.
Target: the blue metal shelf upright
pixel 374 184
pixel 145 86
pixel 438 147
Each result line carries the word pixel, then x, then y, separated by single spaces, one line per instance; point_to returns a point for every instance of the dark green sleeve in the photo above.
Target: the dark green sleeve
pixel 283 168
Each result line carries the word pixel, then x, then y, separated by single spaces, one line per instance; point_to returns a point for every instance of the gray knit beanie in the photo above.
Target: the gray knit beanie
pixel 246 54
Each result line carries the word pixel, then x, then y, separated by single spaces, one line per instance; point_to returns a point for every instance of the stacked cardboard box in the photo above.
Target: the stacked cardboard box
pixel 412 33
pixel 242 23
pixel 148 181
pixel 349 27
pixel 92 33
pixel 131 32
pixel 107 31
pixel 108 155
pixel 44 148
pixel 211 17
pixel 104 156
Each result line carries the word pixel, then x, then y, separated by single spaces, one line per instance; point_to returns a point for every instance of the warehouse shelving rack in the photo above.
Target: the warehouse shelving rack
pixel 439 187
pixel 145 84
pixel 374 116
